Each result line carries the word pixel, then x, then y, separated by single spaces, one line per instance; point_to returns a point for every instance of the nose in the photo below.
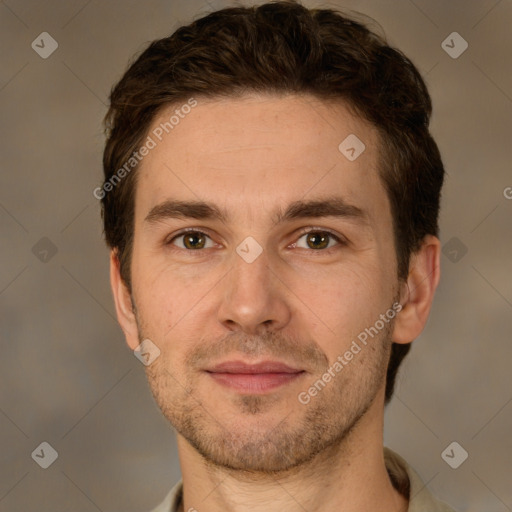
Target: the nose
pixel 254 298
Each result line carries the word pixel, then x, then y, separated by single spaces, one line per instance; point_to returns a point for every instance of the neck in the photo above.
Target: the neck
pixel 350 476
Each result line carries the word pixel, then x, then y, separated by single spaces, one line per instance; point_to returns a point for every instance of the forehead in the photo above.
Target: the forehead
pixel 252 152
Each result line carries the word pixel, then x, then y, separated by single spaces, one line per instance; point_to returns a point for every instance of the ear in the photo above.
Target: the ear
pixel 418 293
pixel 123 302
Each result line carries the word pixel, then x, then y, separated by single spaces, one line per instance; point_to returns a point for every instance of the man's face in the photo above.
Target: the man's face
pixel 255 286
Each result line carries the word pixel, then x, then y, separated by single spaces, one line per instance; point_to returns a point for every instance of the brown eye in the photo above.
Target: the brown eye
pixel 191 240
pixel 318 240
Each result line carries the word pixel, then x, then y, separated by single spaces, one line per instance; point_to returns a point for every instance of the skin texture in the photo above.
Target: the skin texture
pixel 302 301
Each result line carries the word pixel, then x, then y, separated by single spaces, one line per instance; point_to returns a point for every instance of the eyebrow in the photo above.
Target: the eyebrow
pixel 328 207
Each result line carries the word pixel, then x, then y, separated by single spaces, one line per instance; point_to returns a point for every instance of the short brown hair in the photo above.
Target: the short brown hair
pixel 283 48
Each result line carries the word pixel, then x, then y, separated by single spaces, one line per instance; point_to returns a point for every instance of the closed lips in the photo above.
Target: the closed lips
pixel 239 367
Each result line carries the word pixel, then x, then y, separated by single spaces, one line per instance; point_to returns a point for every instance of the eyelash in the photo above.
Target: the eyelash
pixel 338 239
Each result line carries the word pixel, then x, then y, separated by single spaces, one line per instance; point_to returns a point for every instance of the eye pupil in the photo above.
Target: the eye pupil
pixel 188 241
pixel 318 238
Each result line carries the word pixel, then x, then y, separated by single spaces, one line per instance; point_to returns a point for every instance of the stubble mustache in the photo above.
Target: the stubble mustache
pixel 268 346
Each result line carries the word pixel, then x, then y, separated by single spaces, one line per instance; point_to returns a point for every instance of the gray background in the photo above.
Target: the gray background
pixel 67 376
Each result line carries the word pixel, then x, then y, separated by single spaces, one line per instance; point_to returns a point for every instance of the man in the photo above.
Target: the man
pixel 271 199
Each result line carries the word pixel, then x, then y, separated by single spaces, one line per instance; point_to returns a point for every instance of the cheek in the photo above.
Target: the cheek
pixel 159 299
pixel 156 278
pixel 339 305
pixel 173 306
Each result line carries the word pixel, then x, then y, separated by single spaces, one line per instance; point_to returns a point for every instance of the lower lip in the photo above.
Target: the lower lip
pixel 254 382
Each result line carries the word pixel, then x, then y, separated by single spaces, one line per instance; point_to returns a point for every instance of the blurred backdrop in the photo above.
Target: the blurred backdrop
pixel 67 377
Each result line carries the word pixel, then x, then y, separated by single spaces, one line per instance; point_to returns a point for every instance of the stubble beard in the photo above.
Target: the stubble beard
pixel 308 431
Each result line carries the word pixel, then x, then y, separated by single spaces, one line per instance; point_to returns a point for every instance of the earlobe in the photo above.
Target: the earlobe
pixel 123 303
pixel 418 293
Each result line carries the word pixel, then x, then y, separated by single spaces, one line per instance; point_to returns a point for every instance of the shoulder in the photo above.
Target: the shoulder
pixel 407 481
pixel 172 500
